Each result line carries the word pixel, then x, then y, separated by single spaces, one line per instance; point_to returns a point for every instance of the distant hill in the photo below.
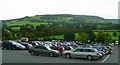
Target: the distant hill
pixel 112 20
pixel 62 18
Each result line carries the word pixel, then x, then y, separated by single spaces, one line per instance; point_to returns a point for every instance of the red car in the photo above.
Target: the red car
pixel 58 48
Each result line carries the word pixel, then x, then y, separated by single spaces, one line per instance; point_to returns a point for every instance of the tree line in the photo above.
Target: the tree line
pixel 83 30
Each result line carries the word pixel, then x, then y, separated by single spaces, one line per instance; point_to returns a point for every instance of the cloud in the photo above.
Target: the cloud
pixel 11 9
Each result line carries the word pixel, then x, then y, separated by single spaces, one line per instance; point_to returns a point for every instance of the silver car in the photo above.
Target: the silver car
pixel 89 53
pixel 43 50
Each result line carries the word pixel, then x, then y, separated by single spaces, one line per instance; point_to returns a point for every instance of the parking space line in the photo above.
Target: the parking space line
pixel 106 58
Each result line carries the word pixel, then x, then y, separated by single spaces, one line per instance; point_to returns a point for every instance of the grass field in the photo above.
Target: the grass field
pixel 26 22
pixel 15 27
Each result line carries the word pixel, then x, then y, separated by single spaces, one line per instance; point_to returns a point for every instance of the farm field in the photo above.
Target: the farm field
pixel 26 22
pixel 15 28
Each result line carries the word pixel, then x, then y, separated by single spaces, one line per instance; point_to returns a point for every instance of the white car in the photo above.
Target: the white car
pixel 116 43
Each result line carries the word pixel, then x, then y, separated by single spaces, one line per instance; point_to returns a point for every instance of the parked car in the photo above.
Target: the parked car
pixel 27 45
pixel 67 47
pixel 33 43
pixel 43 50
pixel 116 43
pixel 107 49
pixel 79 43
pixel 111 44
pixel 58 48
pixel 102 51
pixel 75 46
pixel 12 45
pixel 88 53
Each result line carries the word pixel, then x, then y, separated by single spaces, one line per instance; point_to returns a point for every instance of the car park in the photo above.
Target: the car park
pixel 43 50
pixel 88 53
pixel 65 49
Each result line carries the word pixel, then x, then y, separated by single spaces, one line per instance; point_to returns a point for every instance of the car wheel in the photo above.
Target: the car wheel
pixel 13 48
pixel 7 48
pixel 89 57
pixel 100 56
pixel 3 48
pixel 36 54
pixel 51 54
pixel 32 53
pixel 67 55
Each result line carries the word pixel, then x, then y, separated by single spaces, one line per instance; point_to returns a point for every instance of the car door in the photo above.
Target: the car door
pixel 38 49
pixel 10 45
pixel 77 53
pixel 44 50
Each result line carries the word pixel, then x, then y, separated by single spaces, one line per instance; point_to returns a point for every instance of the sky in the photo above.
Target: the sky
pixel 12 9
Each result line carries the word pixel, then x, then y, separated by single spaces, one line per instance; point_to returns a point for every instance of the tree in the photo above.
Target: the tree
pixel 69 36
pixel 40 27
pixel 103 37
pixel 91 35
pixel 114 34
pixel 31 27
pixel 6 34
pixel 108 38
pixel 83 37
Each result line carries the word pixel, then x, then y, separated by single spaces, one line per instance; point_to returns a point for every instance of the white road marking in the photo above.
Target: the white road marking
pixel 106 58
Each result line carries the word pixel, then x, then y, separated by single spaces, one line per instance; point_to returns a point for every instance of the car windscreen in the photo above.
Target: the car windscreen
pixel 67 48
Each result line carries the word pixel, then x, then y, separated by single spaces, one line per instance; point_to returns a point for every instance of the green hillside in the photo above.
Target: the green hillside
pixel 64 18
pixel 37 20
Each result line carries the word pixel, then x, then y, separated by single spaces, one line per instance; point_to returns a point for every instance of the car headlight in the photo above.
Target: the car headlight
pixel 19 46
pixel 56 51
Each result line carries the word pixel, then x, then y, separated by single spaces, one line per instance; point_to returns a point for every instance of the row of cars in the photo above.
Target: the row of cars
pixel 57 48
pixel 89 53
pixel 70 50
pixel 9 44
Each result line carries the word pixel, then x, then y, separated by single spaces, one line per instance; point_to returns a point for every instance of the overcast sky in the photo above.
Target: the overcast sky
pixel 11 9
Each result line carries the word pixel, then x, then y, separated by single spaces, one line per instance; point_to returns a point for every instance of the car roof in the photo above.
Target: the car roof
pixel 85 48
pixel 55 46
